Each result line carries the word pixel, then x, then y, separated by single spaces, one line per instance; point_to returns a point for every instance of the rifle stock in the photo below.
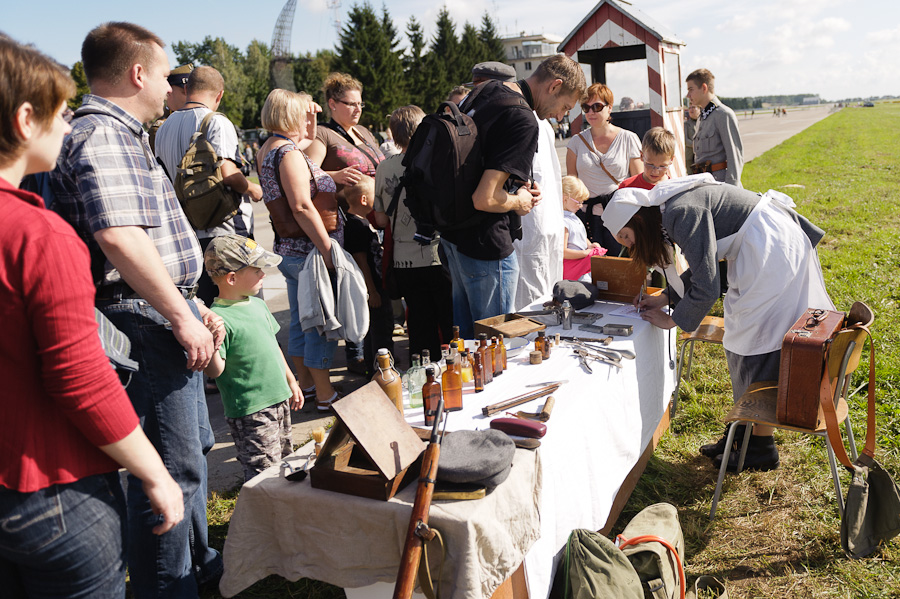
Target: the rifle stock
pixel 412 549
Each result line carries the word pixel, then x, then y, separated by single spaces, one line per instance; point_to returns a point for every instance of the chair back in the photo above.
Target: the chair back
pixel 860 315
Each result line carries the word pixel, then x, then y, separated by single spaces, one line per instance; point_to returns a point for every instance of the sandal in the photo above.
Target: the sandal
pixel 323 406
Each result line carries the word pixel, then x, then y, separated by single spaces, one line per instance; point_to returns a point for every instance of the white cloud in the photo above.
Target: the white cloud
pixel 884 36
pixel 737 23
pixel 314 6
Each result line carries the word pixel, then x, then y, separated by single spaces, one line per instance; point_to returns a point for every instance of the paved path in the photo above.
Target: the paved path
pixel 759 134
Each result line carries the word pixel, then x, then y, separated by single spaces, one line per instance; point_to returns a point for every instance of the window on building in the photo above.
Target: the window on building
pixel 528 66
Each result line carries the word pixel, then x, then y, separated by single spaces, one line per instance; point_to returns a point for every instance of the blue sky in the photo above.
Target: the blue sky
pixel 832 48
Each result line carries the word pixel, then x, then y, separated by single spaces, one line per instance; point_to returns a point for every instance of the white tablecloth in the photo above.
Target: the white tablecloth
pixel 598 430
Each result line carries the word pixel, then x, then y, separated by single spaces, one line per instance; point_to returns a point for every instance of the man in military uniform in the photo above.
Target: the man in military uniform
pixel 717 141
pixel 175 101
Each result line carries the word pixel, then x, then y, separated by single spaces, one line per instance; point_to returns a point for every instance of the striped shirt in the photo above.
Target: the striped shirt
pixel 106 177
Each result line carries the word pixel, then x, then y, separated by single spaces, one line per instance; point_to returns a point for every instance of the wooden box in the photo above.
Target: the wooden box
pixel 369 449
pixel 508 325
pixel 617 279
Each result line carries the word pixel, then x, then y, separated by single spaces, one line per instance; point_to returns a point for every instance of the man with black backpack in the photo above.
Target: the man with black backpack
pixel 480 255
pixel 205 88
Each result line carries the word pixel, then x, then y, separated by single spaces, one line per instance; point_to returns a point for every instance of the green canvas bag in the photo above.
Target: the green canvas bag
pixel 199 184
pixel 654 544
pixel 594 567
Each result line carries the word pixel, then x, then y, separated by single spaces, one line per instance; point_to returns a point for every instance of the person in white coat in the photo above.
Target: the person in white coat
pixel 774 274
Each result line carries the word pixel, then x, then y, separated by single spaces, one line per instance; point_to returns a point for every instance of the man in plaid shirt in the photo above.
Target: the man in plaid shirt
pixel 146 261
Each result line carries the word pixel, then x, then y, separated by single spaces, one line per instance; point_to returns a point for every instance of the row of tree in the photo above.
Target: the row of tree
pixel 422 73
pixel 760 101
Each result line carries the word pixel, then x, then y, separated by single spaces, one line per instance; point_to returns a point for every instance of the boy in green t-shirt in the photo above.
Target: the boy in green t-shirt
pixel 257 386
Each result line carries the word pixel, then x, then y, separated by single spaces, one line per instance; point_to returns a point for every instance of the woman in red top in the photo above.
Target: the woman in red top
pixel 66 423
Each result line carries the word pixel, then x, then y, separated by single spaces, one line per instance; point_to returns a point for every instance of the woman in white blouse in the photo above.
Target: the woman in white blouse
pixel 602 157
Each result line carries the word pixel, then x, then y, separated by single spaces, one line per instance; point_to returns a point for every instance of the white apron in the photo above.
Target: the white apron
pixel 774 275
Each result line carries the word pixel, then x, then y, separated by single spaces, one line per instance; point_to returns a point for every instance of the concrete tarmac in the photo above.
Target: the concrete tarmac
pixel 759 134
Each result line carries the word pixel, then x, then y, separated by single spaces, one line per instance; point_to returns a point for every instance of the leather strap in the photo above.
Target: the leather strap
pixel 597 154
pixel 867 457
pixel 426 584
pixel 622 542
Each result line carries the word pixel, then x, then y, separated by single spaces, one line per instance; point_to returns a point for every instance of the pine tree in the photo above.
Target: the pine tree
pixel 471 51
pixel 367 50
pixel 491 39
pixel 414 67
pixel 81 85
pixel 228 60
pixel 442 63
pixel 310 72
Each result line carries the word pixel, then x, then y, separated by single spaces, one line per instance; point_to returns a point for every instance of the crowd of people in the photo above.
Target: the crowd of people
pixel 117 248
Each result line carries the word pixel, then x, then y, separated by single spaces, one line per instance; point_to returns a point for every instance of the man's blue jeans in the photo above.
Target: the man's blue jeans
pixel 481 288
pixel 64 541
pixel 171 404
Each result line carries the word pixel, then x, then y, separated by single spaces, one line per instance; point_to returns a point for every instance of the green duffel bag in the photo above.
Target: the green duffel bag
pixel 654 544
pixel 594 567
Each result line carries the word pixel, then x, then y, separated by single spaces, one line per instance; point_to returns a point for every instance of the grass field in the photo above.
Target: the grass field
pixel 776 533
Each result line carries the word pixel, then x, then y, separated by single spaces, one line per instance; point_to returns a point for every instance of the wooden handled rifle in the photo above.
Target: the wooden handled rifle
pixel 419 532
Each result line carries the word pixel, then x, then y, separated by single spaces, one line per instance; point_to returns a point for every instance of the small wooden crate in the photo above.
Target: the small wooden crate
pixel 369 449
pixel 508 325
pixel 617 279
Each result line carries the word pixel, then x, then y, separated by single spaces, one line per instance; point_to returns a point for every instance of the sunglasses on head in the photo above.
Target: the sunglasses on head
pixel 595 107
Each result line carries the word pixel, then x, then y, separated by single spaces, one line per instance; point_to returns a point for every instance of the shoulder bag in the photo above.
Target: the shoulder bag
pixel 597 154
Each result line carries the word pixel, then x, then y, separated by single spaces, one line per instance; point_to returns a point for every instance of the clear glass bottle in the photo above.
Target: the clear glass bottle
pixel 415 378
pixel 445 354
pixel 431 394
pixel 451 386
pixel 388 378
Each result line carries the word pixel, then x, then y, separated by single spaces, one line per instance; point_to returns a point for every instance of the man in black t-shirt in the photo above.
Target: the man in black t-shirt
pixel 481 258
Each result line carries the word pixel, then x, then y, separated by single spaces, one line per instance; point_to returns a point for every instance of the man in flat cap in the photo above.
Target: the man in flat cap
pixel 175 101
pixel 491 71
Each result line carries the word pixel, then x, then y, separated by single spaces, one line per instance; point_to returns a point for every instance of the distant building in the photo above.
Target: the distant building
pixel 811 100
pixel 525 52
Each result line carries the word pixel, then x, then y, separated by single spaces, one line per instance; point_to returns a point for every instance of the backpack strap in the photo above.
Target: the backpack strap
pixel 622 542
pixel 594 151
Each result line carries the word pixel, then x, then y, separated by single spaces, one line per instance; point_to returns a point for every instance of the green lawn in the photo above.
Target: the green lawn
pixel 776 533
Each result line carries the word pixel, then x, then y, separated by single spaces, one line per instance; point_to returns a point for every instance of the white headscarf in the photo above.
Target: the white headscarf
pixel 626 202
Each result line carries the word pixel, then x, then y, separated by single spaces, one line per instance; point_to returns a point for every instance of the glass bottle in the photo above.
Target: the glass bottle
pixel 545 345
pixel 426 357
pixel 478 372
pixel 431 394
pixel 498 360
pixel 502 350
pixel 445 353
pixel 415 379
pixel 485 358
pixel 466 367
pixel 451 385
pixel 389 379
pixel 457 341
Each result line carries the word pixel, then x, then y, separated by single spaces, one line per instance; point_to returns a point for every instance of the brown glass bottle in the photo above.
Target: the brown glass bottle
pixel 545 345
pixel 502 351
pixel 486 360
pixel 451 385
pixel 498 359
pixel 389 379
pixel 457 341
pixel 431 394
pixel 478 372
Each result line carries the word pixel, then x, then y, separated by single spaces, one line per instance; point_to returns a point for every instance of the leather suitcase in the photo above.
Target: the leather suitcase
pixel 802 370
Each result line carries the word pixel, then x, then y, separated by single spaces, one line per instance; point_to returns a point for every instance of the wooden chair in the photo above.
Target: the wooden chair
pixel 758 404
pixel 711 330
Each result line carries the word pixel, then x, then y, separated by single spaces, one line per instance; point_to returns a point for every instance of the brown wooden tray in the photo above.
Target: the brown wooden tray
pixel 508 325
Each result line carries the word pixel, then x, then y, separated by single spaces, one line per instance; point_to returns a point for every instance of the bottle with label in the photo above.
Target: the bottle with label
pixel 466 367
pixel 389 379
pixel 486 360
pixel 478 372
pixel 451 386
pixel 498 359
pixel 431 394
pixel 415 377
pixel 445 353
pixel 457 340
pixel 502 350
pixel 545 345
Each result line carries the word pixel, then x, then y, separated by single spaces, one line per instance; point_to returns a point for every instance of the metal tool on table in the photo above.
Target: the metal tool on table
pixel 299 474
pixel 543 415
pixel 613 354
pixel 554 316
pixel 585 355
pixel 617 330
pixel 546 383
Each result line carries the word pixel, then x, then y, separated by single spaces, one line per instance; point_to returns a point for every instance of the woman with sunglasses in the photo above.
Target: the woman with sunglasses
pixel 346 150
pixel 773 275
pixel 602 157
pixel 66 423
